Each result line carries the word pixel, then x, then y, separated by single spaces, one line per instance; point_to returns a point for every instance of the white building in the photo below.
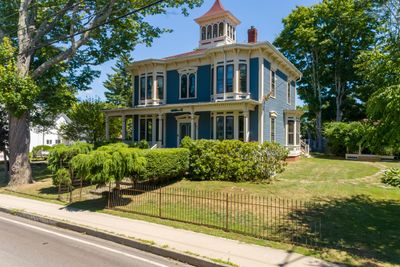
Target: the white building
pixel 50 137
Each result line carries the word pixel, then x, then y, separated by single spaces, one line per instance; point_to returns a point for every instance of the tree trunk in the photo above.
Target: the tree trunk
pixel 19 138
pixel 339 112
pixel 318 129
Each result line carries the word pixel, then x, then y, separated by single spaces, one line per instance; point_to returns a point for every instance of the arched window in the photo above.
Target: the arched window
pixel 203 33
pixel 209 32
pixel 228 30
pixel 184 84
pixel 192 85
pixel 215 31
pixel 221 29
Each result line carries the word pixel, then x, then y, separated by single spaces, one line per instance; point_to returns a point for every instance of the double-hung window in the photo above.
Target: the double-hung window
pixel 290 132
pixel 225 127
pixel 273 129
pixel 142 88
pixel 188 86
pixel 229 78
pixel 243 78
pixel 160 87
pixel 273 83
pixel 146 129
pixel 149 87
pixel 220 79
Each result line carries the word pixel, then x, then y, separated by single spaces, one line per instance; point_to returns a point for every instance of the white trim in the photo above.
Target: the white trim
pixel 188 72
pixel 270 128
pixel 270 83
pixel 186 119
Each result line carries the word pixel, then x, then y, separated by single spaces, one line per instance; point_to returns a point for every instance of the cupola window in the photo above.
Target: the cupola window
pixel 209 32
pixel 221 29
pixel 215 31
pixel 203 33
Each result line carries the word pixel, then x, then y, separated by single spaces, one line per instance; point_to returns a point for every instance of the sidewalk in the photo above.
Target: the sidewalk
pixel 180 240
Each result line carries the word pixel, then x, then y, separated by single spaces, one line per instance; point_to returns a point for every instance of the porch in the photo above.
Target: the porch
pixel 167 125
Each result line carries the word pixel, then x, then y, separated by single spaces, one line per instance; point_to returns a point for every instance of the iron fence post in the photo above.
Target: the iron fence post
pixel 227 212
pixel 159 202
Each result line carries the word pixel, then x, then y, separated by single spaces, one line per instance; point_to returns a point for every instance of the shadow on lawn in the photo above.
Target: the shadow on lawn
pixel 359 225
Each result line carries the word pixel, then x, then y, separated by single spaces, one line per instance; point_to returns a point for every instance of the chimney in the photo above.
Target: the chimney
pixel 252 35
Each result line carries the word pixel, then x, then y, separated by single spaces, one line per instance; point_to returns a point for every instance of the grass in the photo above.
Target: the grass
pixel 359 212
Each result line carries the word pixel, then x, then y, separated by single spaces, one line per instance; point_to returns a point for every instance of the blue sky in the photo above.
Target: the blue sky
pixel 265 15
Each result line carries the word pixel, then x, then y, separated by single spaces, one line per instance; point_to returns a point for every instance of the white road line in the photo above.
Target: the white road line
pixel 85 242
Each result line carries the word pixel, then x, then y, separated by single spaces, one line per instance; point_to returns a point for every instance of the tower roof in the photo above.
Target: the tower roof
pixel 216 11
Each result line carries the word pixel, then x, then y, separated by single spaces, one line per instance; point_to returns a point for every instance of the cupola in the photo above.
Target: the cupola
pixel 217 27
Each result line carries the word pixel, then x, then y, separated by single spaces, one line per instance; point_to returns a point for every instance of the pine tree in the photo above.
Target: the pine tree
pixel 119 85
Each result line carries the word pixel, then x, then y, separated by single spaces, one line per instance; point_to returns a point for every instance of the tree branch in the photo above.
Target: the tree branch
pixel 70 52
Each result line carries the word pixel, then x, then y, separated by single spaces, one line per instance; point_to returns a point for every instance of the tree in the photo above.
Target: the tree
pixel 384 108
pixel 88 123
pixel 119 84
pixel 57 41
pixel 301 43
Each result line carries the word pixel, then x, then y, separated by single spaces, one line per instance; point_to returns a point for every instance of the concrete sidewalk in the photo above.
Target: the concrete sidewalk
pixel 177 239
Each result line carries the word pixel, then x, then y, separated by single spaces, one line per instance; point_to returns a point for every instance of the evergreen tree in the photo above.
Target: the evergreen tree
pixel 119 85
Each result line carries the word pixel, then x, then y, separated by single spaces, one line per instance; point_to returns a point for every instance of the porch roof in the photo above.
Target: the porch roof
pixel 241 105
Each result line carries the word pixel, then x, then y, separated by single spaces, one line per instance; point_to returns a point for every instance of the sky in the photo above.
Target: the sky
pixel 265 15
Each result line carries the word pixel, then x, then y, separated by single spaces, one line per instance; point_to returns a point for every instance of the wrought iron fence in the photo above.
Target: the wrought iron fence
pixel 257 216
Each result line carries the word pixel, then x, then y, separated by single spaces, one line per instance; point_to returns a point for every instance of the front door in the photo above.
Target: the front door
pixel 185 129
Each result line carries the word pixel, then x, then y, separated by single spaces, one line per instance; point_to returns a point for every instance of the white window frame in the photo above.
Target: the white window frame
pixel 272 116
pixel 187 119
pixel 188 72
pixel 235 116
pixel 289 92
pixel 273 92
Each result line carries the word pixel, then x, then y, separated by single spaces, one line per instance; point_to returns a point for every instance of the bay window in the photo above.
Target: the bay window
pixel 290 132
pixel 220 128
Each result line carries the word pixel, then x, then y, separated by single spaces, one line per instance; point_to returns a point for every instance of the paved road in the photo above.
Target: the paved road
pixel 27 243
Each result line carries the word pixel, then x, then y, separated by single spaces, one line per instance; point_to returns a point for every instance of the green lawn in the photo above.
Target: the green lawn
pixel 358 212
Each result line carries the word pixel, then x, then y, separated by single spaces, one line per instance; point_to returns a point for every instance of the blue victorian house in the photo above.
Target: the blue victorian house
pixel 221 90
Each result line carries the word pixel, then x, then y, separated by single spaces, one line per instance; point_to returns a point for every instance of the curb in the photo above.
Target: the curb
pixel 192 260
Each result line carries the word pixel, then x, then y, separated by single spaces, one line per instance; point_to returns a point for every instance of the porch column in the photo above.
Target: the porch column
pixel 236 76
pixel 246 126
pixel 123 128
pixel 160 137
pixel 107 128
pixel 214 119
pixel 192 129
pixel 154 130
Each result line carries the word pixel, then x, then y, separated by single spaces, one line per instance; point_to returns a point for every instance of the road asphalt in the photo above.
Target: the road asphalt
pixel 31 244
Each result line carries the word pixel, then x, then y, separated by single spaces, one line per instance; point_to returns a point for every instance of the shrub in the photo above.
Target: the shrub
pixel 143 144
pixel 392 177
pixel 108 163
pixel 61 155
pixel 63 177
pixel 233 160
pixel 41 151
pixel 165 164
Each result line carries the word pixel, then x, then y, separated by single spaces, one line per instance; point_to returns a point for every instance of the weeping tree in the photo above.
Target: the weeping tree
pixel 56 43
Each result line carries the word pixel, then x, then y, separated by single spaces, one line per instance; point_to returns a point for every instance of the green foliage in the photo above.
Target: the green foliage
pixel 350 137
pixel 165 164
pixel 384 107
pixel 142 144
pixel 119 85
pixel 37 151
pixel 62 177
pixel 61 155
pixel 392 177
pixel 17 93
pixel 109 163
pixel 88 122
pixel 232 160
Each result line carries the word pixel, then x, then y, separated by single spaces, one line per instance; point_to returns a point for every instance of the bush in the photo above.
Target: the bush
pixel 233 160
pixel 165 164
pixel 61 155
pixel 392 177
pixel 143 144
pixel 63 177
pixel 41 151
pixel 109 163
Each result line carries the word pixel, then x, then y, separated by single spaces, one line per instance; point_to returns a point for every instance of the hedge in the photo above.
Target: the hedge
pixel 232 160
pixel 165 164
pixel 392 177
